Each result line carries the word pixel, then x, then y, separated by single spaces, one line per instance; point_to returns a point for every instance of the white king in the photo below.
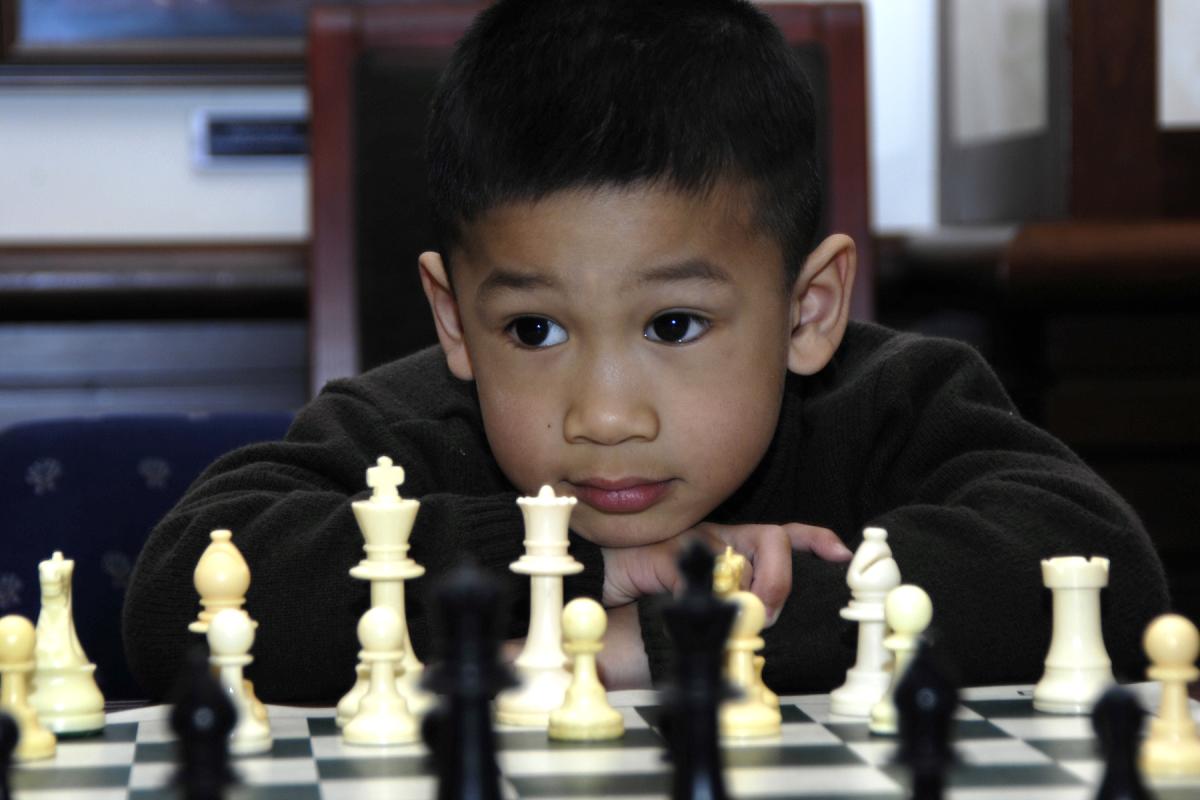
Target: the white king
pixel 542 664
pixel 386 521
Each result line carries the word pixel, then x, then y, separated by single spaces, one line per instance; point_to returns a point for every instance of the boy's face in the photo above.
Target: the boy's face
pixel 629 348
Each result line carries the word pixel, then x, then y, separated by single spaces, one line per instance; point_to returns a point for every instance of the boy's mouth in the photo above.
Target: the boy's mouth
pixel 623 496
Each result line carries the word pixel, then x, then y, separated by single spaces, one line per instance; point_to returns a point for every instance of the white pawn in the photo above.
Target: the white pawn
pixel 230 637
pixel 65 694
pixel 752 714
pixel 383 717
pixel 17 644
pixel 1172 750
pixel 1078 669
pixel 908 611
pixel 586 714
pixel 872 574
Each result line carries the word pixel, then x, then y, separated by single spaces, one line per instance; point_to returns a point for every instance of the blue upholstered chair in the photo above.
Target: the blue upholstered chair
pixel 93 488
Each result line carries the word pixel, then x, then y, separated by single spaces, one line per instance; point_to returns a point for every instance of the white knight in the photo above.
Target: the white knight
pixel 65 694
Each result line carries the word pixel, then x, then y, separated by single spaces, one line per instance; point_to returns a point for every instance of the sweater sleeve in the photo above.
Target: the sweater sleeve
pixel 974 497
pixel 288 505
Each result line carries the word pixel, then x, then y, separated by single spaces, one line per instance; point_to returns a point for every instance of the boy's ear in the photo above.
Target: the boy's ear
pixel 444 306
pixel 820 303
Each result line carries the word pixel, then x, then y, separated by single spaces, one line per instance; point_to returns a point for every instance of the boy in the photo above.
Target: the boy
pixel 631 309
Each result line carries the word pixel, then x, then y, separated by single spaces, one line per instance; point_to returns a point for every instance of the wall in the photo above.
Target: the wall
pixel 103 164
pixel 113 163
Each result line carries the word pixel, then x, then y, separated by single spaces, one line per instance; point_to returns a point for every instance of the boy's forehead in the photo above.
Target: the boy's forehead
pixel 654 220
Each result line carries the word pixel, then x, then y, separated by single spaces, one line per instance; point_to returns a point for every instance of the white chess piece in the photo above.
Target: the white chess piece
pixel 751 714
pixel 872 574
pixel 221 579
pixel 586 714
pixel 727 579
pixel 908 611
pixel 1172 750
pixel 65 694
pixel 230 637
pixel 541 666
pixel 383 716
pixel 1078 668
pixel 17 645
pixel 386 521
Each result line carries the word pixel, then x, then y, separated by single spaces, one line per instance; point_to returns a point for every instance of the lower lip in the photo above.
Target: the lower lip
pixel 628 500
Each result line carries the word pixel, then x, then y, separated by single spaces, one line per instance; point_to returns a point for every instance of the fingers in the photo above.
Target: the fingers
pixel 771 578
pixel 821 542
pixel 768 553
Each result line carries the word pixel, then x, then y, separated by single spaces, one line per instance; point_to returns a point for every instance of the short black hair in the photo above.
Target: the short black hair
pixel 546 95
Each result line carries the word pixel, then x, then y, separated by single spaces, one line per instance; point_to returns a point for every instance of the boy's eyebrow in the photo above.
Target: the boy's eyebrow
pixel 502 278
pixel 690 270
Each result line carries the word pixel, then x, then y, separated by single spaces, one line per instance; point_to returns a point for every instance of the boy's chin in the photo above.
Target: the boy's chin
pixel 614 530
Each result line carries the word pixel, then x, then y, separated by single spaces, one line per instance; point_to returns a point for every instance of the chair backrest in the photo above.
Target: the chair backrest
pixel 371 72
pixel 92 488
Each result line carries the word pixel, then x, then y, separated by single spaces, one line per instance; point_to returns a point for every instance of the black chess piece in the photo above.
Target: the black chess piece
pixel 9 733
pixel 467 674
pixel 202 718
pixel 926 700
pixel 698 624
pixel 1117 719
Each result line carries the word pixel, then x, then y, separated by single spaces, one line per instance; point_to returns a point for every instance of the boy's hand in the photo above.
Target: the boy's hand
pixel 631 572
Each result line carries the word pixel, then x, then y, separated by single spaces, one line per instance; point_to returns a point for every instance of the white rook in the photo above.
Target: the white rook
pixel 542 663
pixel 1078 668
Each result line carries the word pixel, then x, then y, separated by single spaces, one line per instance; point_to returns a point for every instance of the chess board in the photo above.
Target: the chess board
pixel 1007 752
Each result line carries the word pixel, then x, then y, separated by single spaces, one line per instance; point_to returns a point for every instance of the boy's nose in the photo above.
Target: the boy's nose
pixel 608 409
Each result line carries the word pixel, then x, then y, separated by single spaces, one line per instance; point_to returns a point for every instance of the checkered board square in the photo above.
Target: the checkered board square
pixel 1007 751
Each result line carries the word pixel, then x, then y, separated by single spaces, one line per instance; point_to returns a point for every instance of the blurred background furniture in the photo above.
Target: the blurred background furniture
pixel 93 488
pixel 371 73
pixel 1080 279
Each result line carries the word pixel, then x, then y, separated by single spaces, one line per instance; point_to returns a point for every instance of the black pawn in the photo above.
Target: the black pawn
pixel 9 733
pixel 926 700
pixel 467 674
pixel 1117 719
pixel 698 624
pixel 202 718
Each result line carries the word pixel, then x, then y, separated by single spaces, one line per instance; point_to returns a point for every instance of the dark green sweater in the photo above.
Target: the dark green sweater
pixel 913 434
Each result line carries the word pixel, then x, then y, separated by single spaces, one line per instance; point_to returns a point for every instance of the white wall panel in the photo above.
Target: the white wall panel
pixel 104 164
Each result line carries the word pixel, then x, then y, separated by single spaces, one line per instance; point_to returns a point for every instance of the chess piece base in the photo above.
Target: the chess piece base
pixel 1170 759
pixel 379 729
pixel 586 724
pixel 68 701
pixel 248 745
pixel 35 743
pixel 347 707
pixel 530 704
pixel 1071 691
pixel 884 719
pixel 859 694
pixel 749 720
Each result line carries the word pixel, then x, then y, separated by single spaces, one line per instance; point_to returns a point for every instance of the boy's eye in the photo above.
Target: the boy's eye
pixel 536 332
pixel 676 327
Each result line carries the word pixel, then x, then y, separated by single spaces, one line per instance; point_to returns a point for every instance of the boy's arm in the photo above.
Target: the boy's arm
pixel 927 445
pixel 974 497
pixel 288 505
